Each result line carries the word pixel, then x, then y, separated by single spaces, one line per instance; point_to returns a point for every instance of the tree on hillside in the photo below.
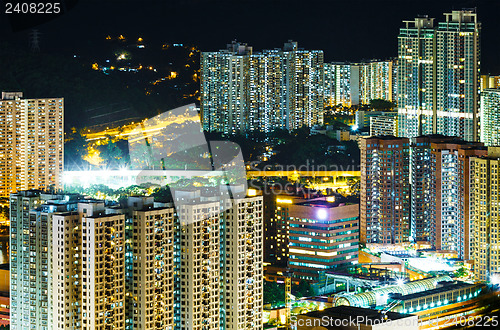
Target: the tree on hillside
pixel 383 105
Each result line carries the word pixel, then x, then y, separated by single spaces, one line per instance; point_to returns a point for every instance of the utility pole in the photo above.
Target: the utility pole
pixel 35 41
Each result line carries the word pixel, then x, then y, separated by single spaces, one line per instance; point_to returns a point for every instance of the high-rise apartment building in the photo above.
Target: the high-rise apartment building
pixel 242 264
pixel 330 85
pixel 224 82
pixel 88 268
pixel 423 181
pixel 31 257
pixel 438 74
pixel 271 226
pixel 490 117
pixel 377 81
pixel 457 76
pixel 450 194
pixel 341 84
pixel 385 190
pixel 305 71
pixel 82 264
pixel 422 224
pixel 416 77
pixel 220 262
pixel 279 238
pixel 152 246
pixel 267 106
pixel 440 191
pixel 243 91
pixel 31 143
pixel 200 281
pixel 484 213
pixel 350 84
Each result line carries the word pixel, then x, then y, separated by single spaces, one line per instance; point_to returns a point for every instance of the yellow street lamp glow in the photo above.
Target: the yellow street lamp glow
pixel 284 201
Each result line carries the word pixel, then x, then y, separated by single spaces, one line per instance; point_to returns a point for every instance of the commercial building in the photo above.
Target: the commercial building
pixel 485 217
pixel 242 91
pixel 437 301
pixel 277 228
pixel 438 72
pixel 440 306
pixel 322 236
pixel 385 190
pixel 317 235
pixel 31 143
pixel 490 117
pixel 379 296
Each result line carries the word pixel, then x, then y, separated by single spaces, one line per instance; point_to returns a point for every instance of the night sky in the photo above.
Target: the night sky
pixel 346 30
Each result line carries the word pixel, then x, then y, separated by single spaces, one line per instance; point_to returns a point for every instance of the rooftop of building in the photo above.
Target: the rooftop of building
pixel 48 194
pixel 343 312
pixel 102 215
pixel 92 201
pixel 443 139
pixel 65 214
pixel 27 193
pixel 401 254
pixel 444 286
pixel 153 208
pixel 386 138
pixel 322 203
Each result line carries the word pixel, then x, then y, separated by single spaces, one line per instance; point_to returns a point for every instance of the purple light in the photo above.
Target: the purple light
pixel 322 214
